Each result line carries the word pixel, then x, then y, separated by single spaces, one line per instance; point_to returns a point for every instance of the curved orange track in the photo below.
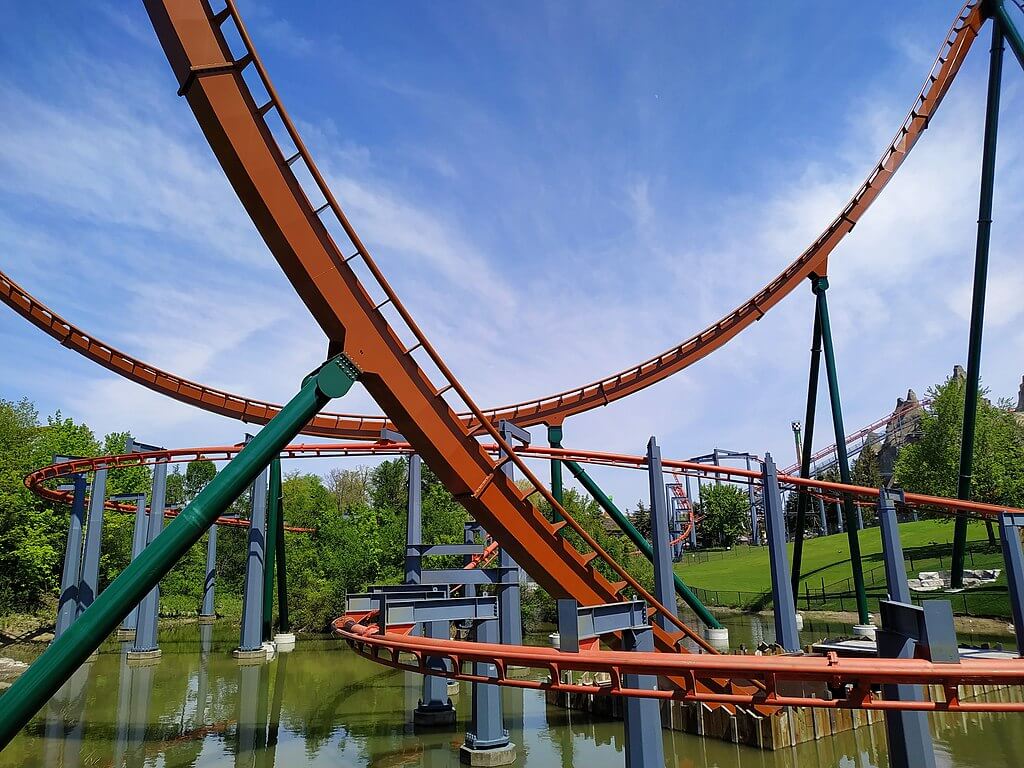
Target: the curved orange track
pixel 552 409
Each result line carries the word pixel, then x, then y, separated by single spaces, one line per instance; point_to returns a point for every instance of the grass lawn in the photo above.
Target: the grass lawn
pixel 744 571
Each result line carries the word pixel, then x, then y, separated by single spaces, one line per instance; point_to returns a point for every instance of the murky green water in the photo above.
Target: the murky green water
pixel 322 705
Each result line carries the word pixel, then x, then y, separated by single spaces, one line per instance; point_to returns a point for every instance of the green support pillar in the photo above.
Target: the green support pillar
pixel 820 286
pixel 638 540
pixel 283 624
pixel 555 441
pixel 273 519
pixel 988 174
pixel 59 661
pixel 805 450
pixel 1009 29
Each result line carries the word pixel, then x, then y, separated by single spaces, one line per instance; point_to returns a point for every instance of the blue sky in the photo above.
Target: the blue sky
pixel 556 190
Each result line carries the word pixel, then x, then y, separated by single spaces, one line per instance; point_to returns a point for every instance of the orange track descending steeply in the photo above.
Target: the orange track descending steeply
pixel 323 275
pixel 555 408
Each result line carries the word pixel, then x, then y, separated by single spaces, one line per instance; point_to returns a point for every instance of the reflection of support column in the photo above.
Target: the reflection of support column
pixel 67 608
pixel 250 646
pixel 414 525
pixel 65 722
pixel 642 716
pixel 509 598
pixel 487 741
pixel 1013 559
pixel 145 646
pixel 664 584
pixel 139 532
pixel 209 611
pixel 203 681
pixel 88 587
pixel 124 700
pixel 786 633
pixel 435 708
pixel 274 722
pixel 138 717
pixel 249 724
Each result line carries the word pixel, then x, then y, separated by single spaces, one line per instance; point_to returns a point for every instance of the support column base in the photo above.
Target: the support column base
pixel 143 658
pixel 254 656
pixel 125 634
pixel 433 717
pixel 285 641
pixel 866 631
pixel 799 621
pixel 207 618
pixel 718 637
pixel 505 755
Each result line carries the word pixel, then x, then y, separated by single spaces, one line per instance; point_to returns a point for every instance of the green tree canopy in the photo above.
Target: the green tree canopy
pixel 723 510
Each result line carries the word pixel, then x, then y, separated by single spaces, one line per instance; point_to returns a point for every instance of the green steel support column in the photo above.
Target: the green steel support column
pixel 1009 29
pixel 988 174
pixel 273 516
pixel 820 286
pixel 638 540
pixel 555 441
pixel 283 624
pixel 803 499
pixel 57 663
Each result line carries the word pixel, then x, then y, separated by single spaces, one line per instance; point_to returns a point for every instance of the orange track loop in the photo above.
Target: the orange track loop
pixel 772 672
pixel 553 408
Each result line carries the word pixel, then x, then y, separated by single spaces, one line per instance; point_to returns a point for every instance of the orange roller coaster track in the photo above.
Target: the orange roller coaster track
pixel 552 409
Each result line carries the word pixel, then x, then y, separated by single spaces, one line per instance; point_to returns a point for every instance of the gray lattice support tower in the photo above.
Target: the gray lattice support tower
pixel 510 611
pixel 252 600
pixel 786 633
pixel 209 609
pixel 88 587
pixel 67 607
pixel 139 535
pixel 693 528
pixel 149 609
pixel 664 584
pixel 414 527
pixel 754 532
pixel 1013 559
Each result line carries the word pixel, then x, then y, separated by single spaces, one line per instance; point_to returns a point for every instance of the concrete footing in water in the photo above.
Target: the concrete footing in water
pixel 786 728
pixel 505 755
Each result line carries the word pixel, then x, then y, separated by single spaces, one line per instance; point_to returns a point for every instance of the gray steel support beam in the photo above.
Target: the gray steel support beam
pixel 910 741
pixel 577 623
pixel 149 608
pixel 786 633
pixel 88 587
pixel 892 550
pixel 209 609
pixel 252 598
pixel 414 524
pixel 468 577
pixel 509 596
pixel 664 583
pixel 821 513
pixel 486 726
pixel 435 704
pixel 1013 559
pixel 693 528
pixel 67 607
pixel 755 536
pixel 642 716
pixel 139 533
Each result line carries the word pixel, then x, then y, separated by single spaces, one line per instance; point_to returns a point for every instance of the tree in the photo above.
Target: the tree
pixel 723 510
pixel 931 464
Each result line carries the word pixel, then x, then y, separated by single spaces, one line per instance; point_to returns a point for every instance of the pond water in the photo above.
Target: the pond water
pixel 323 705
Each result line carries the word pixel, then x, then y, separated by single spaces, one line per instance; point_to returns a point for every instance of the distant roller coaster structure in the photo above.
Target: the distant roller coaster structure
pixel 372 338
